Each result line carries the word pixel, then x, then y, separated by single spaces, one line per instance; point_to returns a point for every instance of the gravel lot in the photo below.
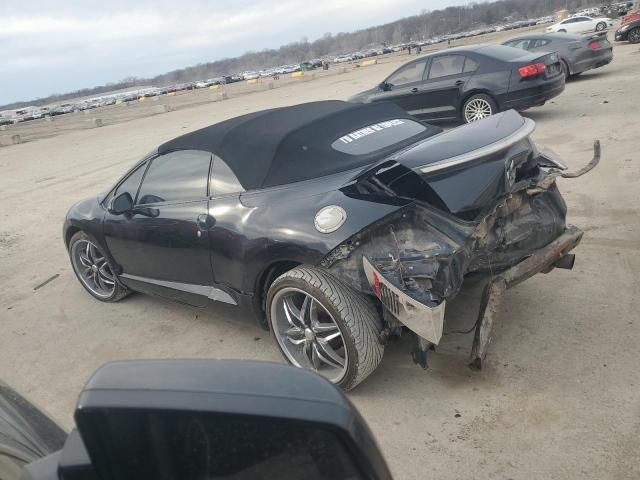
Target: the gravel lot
pixel 560 397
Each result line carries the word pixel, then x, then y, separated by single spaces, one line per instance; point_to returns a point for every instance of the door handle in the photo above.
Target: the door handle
pixel 414 90
pixel 205 221
pixel 459 82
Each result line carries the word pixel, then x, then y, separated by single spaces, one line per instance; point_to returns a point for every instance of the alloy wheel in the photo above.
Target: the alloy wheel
pixel 308 334
pixel 601 26
pixel 92 268
pixel 634 35
pixel 477 109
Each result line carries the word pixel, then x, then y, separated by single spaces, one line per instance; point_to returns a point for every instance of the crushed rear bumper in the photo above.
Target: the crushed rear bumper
pixel 542 260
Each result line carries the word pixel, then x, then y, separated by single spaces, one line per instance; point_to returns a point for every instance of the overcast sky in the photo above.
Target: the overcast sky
pixel 58 46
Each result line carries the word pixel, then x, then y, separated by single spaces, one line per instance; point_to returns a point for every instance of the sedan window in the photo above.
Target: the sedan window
pixel 470 65
pixel 176 176
pixel 223 180
pixel 539 43
pixel 407 74
pixel 446 65
pixel 523 44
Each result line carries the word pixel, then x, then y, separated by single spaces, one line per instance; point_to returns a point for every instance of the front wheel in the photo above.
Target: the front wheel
pixel 94 270
pixel 634 35
pixel 601 26
pixel 478 107
pixel 324 325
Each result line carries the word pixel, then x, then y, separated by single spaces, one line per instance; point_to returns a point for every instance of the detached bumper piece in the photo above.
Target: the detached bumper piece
pixel 422 319
pixel 542 260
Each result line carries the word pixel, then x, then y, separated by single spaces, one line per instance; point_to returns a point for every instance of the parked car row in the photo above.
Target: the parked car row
pixel 473 82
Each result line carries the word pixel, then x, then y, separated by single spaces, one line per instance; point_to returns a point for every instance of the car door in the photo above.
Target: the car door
pixel 580 24
pixel 162 245
pixel 402 86
pixel 445 80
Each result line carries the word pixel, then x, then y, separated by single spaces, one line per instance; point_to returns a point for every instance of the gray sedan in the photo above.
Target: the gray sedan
pixel 578 53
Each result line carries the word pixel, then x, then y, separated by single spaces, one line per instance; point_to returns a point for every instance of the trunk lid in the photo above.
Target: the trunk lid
pixel 463 171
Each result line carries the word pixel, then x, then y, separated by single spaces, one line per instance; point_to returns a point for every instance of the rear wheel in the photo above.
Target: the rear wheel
pixel 94 270
pixel 324 325
pixel 634 35
pixel 565 69
pixel 562 30
pixel 601 26
pixel 478 107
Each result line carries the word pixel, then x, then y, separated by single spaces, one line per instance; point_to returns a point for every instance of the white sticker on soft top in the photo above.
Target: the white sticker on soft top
pixel 376 127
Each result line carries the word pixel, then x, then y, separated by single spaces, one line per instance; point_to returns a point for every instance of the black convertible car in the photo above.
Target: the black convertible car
pixel 335 224
pixel 470 83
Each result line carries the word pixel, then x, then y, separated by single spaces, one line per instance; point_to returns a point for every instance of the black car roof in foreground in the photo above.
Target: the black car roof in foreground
pixel 291 144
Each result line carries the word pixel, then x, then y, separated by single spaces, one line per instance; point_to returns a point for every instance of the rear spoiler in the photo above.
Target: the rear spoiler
pixel 595 35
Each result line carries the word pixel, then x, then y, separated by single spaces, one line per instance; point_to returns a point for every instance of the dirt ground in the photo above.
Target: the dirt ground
pixel 560 397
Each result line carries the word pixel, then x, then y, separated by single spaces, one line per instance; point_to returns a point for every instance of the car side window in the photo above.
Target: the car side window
pixel 131 183
pixel 223 180
pixel 568 20
pixel 407 74
pixel 470 65
pixel 523 44
pixel 539 43
pixel 176 176
pixel 446 65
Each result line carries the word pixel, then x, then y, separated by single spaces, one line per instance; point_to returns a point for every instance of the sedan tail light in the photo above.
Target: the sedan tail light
pixel 532 70
pixel 594 44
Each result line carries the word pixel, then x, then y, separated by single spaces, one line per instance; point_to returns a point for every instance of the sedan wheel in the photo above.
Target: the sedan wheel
pixel 634 35
pixel 478 107
pixel 93 269
pixel 323 325
pixel 601 26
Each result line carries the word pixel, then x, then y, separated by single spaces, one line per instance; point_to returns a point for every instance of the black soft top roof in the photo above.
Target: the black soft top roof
pixel 290 144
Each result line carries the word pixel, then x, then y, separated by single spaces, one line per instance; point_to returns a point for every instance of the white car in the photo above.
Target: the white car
pixel 581 24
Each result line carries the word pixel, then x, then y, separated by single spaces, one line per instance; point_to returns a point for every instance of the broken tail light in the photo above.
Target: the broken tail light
pixel 532 70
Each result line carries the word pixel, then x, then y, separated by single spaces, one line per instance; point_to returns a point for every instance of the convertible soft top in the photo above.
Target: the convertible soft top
pixel 291 144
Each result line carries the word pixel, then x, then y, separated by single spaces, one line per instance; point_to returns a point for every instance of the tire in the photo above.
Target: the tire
pixel 477 107
pixel 341 324
pixel 601 26
pixel 565 69
pixel 93 269
pixel 634 35
pixel 562 31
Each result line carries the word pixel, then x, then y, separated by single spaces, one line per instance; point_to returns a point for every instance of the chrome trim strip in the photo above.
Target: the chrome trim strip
pixel 520 134
pixel 423 320
pixel 431 110
pixel 206 291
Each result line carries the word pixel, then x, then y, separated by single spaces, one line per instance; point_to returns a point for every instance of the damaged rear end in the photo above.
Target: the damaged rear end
pixel 479 199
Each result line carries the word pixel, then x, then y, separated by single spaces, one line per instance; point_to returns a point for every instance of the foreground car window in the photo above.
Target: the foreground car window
pixel 223 180
pixel 445 66
pixel 176 176
pixel 197 447
pixel 409 74
pixel 132 182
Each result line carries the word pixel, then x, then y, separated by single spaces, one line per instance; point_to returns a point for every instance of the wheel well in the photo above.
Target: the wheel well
pixel 71 231
pixel 566 65
pixel 265 280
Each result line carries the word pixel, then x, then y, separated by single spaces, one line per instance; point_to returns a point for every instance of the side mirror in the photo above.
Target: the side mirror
pixel 385 87
pixel 123 203
pixel 194 419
